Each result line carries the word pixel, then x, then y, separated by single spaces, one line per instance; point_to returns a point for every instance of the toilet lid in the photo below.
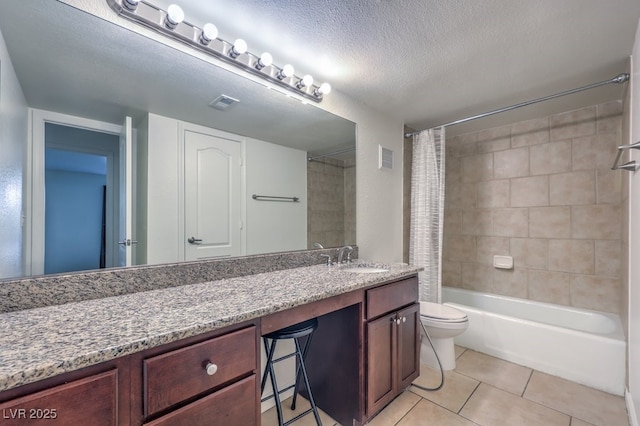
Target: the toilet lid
pixel 441 312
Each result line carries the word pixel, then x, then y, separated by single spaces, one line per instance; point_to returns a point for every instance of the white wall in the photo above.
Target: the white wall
pixel 13 134
pixel 280 171
pixel 378 193
pixel 633 398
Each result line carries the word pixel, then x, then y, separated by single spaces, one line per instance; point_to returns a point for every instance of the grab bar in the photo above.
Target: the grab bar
pixel 274 198
pixel 630 165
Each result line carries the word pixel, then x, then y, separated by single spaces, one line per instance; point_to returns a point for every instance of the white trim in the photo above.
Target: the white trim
pixel 34 178
pixel 631 411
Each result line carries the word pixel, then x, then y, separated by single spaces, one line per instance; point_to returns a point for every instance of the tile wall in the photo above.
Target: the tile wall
pixel 331 202
pixel 541 191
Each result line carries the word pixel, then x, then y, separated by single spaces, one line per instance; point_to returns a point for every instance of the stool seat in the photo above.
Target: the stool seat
pixel 295 332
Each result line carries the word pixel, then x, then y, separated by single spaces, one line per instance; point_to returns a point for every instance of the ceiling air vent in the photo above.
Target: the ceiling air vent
pixel 223 102
pixel 385 158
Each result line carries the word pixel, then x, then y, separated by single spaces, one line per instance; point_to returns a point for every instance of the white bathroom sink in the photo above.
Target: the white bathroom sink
pixel 363 269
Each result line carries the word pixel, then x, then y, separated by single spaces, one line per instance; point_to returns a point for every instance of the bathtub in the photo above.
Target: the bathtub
pixel 586 347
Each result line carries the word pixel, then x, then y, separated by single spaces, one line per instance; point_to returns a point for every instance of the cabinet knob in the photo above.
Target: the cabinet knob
pixel 211 368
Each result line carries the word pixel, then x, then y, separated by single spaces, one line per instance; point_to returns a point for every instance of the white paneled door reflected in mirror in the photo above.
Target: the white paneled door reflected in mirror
pixel 61 66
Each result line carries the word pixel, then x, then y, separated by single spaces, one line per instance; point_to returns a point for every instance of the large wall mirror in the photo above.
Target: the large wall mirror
pixel 79 74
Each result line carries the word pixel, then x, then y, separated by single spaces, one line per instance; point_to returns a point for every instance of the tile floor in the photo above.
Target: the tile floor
pixel 487 391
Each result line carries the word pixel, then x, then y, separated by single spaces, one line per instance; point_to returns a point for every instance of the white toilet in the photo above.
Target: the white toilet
pixel 443 323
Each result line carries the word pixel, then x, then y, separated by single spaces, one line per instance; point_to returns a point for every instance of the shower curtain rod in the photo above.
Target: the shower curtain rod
pixel 620 78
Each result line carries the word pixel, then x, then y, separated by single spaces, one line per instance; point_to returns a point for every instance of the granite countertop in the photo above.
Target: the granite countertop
pixel 43 342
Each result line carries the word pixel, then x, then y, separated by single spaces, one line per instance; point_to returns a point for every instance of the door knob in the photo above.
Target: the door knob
pixel 194 240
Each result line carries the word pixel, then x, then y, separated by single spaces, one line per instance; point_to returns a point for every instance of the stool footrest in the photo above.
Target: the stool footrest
pixel 279 392
pixel 282 358
pixel 288 422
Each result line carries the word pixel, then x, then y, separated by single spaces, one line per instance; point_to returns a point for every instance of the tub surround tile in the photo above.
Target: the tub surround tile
pixel 511 163
pixel 530 252
pixel 573 124
pixel 609 117
pixel 493 194
pixel 460 248
pixel 496 139
pixel 511 282
pixel 573 188
pixel 598 293
pixel 530 191
pixel 596 222
pixel 531 132
pixel 491 406
pixel 453 395
pixel 511 222
pixel 608 258
pixel 477 168
pixel 61 338
pixel 490 246
pixel 594 152
pixel 477 277
pixel 452 273
pixel 577 422
pixel 575 256
pixel 590 405
pixel 551 287
pixel 550 222
pixel 462 145
pixel 477 222
pixel 554 157
pixel 609 186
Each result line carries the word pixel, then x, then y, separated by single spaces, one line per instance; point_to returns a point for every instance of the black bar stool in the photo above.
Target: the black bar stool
pixel 294 332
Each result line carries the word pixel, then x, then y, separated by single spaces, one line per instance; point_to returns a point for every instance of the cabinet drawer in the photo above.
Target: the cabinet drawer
pixel 91 400
pixel 234 405
pixel 181 374
pixel 390 297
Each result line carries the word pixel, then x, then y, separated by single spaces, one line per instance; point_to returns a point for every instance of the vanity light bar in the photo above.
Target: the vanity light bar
pixel 171 23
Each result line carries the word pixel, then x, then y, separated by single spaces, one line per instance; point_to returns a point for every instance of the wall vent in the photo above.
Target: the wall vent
pixel 385 160
pixel 223 102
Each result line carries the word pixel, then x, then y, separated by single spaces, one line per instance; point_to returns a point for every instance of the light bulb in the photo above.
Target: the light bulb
pixel 286 72
pixel 264 60
pixel 209 33
pixel 305 81
pixel 175 16
pixel 131 5
pixel 324 89
pixel 239 47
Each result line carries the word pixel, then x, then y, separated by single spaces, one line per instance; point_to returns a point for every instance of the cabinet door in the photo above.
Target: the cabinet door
pixel 381 358
pixel 408 345
pixel 91 400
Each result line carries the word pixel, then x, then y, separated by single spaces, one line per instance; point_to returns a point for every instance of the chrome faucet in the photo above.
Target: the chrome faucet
pixel 328 257
pixel 341 251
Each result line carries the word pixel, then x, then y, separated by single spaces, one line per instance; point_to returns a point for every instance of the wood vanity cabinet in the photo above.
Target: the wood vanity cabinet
pixel 206 379
pixel 392 333
pixel 202 381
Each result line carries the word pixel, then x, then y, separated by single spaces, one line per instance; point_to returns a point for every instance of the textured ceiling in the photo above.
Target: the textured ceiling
pixel 429 62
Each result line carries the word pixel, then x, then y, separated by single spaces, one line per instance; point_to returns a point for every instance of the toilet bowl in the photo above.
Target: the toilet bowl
pixel 443 323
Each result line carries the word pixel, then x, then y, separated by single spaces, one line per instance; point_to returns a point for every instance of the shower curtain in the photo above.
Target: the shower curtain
pixel 427 211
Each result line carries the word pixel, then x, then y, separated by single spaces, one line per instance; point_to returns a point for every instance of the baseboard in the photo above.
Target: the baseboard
pixel 631 410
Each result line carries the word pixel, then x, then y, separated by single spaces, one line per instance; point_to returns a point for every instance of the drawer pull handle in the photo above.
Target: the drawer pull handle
pixel 211 368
